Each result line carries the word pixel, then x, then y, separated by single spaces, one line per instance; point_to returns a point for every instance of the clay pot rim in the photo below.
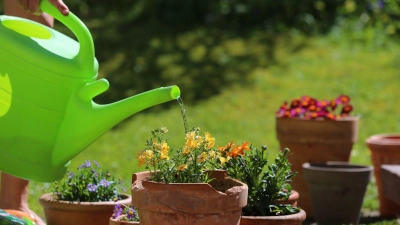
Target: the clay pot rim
pixel 118 219
pixel 384 139
pixel 348 118
pixel 338 166
pixel 300 216
pixel 143 176
pixel 48 197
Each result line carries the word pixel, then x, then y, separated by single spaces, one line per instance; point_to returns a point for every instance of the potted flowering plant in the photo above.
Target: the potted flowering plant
pixel 269 185
pixel 316 131
pixel 83 197
pixel 124 214
pixel 183 186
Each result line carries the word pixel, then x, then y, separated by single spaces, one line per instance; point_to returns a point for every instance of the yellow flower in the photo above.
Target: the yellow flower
pixel 202 157
pixel 164 155
pixel 191 140
pixel 141 159
pixel 148 154
pixel 164 130
pixel 212 154
pixel 190 135
pixel 164 146
pixel 223 160
pixel 199 139
pixel 191 143
pixel 181 167
pixel 186 150
pixel 210 140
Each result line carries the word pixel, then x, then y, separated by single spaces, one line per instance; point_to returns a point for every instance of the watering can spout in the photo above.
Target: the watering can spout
pixel 78 132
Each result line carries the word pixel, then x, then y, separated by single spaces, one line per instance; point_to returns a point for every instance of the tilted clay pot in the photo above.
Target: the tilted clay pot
pixel 218 203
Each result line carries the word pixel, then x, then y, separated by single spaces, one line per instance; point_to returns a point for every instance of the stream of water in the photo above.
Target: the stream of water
pixel 183 111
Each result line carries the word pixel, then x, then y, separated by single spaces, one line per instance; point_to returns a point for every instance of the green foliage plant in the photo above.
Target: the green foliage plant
pixel 267 189
pixel 89 184
pixel 184 165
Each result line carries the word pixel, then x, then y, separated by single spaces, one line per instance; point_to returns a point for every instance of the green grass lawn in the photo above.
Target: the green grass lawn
pixel 305 66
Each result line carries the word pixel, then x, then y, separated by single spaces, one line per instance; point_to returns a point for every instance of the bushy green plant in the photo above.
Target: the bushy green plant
pixel 266 189
pixel 88 184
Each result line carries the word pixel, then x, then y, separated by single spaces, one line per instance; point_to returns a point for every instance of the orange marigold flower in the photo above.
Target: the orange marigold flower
pixel 344 99
pixel 295 103
pixel 226 148
pixel 239 150
pixel 330 116
pixel 347 109
pixel 333 104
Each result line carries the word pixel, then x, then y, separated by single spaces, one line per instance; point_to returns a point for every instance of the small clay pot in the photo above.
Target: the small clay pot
pixel 68 213
pixel 294 219
pixel 337 190
pixel 118 221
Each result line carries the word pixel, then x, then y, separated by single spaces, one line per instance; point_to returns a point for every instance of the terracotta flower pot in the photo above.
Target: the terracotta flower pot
pixel 294 219
pixel 337 190
pixel 385 149
pixel 78 213
pixel 189 204
pixel 315 141
pixel 292 200
pixel 118 221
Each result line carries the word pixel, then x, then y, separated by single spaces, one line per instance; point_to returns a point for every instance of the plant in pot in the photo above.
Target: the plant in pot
pixel 181 186
pixel 86 196
pixel 124 215
pixel 316 131
pixel 269 188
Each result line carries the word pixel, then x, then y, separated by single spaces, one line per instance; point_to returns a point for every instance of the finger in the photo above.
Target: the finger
pixel 24 4
pixel 60 5
pixel 34 7
pixel 19 3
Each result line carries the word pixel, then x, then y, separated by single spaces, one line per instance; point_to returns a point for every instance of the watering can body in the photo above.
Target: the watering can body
pixel 47 83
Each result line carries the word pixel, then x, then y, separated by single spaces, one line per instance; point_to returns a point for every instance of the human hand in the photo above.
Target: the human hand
pixel 32 6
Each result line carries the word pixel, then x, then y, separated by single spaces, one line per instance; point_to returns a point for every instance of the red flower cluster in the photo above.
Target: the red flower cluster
pixel 310 108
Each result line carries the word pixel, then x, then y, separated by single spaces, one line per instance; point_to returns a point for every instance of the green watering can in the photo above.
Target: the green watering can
pixel 47 83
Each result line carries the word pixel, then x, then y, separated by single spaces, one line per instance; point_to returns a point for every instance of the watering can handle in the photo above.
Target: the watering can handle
pixel 85 55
